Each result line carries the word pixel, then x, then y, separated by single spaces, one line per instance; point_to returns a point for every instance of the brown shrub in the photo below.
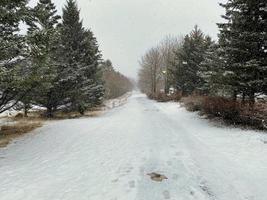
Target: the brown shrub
pixel 256 117
pixel 193 103
pixel 221 107
pixel 177 96
pixel 229 110
pixel 162 97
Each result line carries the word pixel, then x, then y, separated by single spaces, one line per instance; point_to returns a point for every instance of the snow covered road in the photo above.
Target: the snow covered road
pixel 109 157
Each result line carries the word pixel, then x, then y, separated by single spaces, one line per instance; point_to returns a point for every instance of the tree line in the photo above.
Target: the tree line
pixel 55 65
pixel 232 67
pixel 116 84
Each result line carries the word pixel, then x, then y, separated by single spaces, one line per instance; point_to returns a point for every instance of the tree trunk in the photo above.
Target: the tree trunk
pixel 251 100
pixel 154 82
pixel 234 97
pixel 166 84
pixel 49 112
pixel 25 112
pixel 243 98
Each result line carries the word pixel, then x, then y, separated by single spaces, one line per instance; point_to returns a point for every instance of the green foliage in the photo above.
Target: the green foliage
pixel 243 41
pixel 42 40
pixel 188 59
pixel 14 78
pixel 54 65
pixel 80 58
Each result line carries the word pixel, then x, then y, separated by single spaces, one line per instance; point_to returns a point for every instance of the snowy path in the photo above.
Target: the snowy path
pixel 108 158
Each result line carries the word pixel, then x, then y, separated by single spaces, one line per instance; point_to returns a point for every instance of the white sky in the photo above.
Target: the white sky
pixel 125 29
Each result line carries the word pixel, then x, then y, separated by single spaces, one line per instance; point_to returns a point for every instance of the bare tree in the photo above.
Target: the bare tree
pixel 167 48
pixel 151 71
pixel 155 73
pixel 116 84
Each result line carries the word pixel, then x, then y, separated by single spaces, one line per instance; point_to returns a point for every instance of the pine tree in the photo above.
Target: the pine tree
pixel 43 35
pixel 13 81
pixel 243 39
pixel 213 73
pixel 187 61
pixel 80 58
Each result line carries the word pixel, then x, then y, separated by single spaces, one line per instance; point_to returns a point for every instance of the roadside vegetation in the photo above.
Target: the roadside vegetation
pixel 17 128
pixel 53 71
pixel 115 83
pixel 225 79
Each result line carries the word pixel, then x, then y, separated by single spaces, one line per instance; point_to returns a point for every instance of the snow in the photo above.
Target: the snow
pixel 109 157
pixel 113 103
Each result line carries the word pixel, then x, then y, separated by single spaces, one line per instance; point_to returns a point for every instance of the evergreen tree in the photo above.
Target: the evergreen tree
pixel 42 39
pixel 13 82
pixel 187 61
pixel 243 39
pixel 80 60
pixel 213 73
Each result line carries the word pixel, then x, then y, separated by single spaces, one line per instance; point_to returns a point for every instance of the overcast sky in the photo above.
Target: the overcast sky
pixel 125 29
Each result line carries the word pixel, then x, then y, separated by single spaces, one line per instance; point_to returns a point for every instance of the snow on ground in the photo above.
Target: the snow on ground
pixel 113 103
pixel 109 157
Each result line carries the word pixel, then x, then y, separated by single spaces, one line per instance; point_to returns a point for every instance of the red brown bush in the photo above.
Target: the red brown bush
pixel 232 111
pixel 222 107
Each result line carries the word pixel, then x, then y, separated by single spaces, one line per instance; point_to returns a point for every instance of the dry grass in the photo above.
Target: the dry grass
pixel 60 115
pixel 16 129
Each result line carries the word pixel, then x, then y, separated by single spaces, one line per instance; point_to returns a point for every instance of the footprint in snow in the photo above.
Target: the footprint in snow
pixel 115 180
pixel 178 154
pixel 132 184
pixel 124 171
pixel 142 170
pixel 169 163
pixel 175 176
pixel 166 194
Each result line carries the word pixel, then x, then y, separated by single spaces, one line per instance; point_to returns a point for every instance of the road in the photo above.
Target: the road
pixel 108 158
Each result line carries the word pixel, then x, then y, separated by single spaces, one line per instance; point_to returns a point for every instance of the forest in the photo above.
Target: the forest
pixel 225 78
pixel 56 64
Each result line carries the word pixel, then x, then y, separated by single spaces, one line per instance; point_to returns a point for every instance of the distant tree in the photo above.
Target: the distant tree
pixel 167 48
pixel 151 71
pixel 187 61
pixel 116 84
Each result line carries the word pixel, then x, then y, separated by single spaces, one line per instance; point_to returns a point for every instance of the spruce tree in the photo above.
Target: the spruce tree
pixel 188 59
pixel 243 39
pixel 213 73
pixel 13 81
pixel 80 61
pixel 43 35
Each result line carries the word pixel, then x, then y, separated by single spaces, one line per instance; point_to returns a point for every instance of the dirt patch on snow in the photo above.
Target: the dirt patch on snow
pixel 157 177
